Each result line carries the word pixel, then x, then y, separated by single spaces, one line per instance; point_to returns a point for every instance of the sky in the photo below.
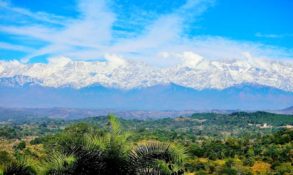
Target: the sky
pixel 151 31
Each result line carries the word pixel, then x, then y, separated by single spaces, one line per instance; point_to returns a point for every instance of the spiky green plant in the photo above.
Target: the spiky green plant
pixel 18 168
pixel 81 161
pixel 57 163
pixel 94 153
pixel 153 157
pixel 116 149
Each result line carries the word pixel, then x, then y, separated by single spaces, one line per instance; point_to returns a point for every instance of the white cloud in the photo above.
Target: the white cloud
pixel 273 36
pixel 92 30
pixel 39 16
pixel 14 47
pixel 90 36
pixel 115 60
pixel 222 48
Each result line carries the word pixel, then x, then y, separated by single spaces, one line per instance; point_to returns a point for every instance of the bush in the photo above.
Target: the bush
pixel 21 145
pixel 5 158
pixel 36 141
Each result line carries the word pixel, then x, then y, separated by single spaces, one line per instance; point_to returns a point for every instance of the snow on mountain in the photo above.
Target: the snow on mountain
pixel 18 81
pixel 193 71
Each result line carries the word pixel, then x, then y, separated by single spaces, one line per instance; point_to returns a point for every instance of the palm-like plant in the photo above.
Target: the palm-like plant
pixel 96 154
pixel 114 147
pixel 20 167
pixel 154 158
pixel 83 162
pixel 58 163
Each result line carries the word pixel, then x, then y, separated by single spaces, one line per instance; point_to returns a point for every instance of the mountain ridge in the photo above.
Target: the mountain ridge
pixel 159 97
pixel 287 110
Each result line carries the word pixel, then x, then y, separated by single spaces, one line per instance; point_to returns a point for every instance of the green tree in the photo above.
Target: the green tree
pixel 21 145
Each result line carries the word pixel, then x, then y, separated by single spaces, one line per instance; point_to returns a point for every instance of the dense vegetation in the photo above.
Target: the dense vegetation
pixel 237 143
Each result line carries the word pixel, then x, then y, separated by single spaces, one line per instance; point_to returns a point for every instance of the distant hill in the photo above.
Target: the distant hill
pixel 160 97
pixel 17 114
pixel 288 110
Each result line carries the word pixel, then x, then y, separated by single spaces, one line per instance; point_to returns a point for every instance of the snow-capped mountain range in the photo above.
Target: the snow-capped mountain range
pixel 193 71
pixel 194 83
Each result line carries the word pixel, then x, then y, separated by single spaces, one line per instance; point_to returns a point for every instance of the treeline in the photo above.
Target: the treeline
pixel 186 127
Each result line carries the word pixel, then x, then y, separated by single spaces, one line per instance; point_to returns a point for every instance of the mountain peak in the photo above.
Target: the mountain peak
pixel 18 81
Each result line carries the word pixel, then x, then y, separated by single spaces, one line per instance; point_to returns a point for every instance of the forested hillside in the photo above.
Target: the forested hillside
pixel 204 143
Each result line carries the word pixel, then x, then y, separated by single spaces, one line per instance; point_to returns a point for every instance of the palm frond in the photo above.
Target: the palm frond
pixel 114 125
pixel 15 168
pixel 58 163
pixel 88 162
pixel 153 157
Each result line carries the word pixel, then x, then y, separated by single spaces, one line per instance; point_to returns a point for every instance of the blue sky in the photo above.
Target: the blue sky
pixel 32 31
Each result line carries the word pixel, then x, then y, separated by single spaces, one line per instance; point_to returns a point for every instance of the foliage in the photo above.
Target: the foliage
pixel 205 143
pixel 20 168
pixel 109 152
pixel 21 145
pixel 154 157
